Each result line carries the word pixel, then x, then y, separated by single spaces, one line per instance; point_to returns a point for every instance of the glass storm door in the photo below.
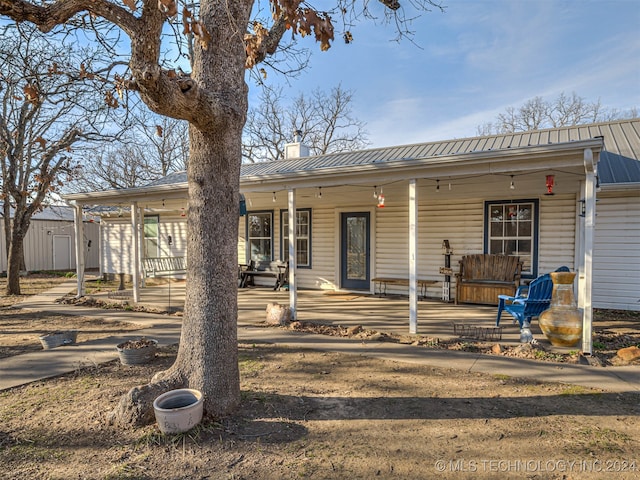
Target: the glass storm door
pixel 354 248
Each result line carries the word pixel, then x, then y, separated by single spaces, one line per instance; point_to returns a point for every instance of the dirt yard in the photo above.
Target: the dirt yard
pixel 309 414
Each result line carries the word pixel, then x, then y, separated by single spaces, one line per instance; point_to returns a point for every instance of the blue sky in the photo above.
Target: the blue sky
pixel 475 60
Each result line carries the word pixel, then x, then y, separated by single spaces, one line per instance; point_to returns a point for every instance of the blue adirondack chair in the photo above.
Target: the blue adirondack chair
pixel 524 308
pixel 521 292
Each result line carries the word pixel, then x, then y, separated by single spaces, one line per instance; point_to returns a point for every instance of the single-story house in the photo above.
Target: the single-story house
pixel 50 241
pixel 566 196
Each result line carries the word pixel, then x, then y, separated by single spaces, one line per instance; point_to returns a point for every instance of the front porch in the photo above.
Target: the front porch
pixel 387 314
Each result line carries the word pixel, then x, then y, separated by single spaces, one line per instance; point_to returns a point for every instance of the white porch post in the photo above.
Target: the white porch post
pixel 413 256
pixel 79 232
pixel 579 249
pixel 135 230
pixel 141 279
pixel 100 247
pixel 293 290
pixel 586 283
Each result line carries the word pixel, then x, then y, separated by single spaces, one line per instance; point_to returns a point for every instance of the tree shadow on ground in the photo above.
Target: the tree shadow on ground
pixel 310 408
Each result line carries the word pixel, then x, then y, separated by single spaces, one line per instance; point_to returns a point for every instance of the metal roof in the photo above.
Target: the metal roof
pixel 171 179
pixel 619 162
pixel 52 213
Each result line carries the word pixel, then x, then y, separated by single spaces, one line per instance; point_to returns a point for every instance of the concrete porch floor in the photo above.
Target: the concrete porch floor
pixel 389 314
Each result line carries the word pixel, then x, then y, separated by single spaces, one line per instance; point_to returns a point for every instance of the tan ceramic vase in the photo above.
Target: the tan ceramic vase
pixel 562 322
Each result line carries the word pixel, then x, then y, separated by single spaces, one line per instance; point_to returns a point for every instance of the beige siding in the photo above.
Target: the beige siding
pixel 391 230
pixel 177 228
pixel 459 221
pixel 117 238
pixel 117 253
pixel 616 262
pixel 323 273
pixel 557 232
pixel 38 244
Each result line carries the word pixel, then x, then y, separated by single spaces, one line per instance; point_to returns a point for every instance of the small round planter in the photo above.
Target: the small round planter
pixel 137 352
pixel 179 410
pixel 57 339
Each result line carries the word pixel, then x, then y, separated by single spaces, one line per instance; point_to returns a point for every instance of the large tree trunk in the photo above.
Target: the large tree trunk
pixel 15 261
pixel 208 354
pixel 207 359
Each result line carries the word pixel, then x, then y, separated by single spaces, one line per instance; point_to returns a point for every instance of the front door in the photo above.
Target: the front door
pixel 355 250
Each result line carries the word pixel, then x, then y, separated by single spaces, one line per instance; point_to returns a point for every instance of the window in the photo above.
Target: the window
pixel 303 236
pixel 260 236
pixel 511 228
pixel 151 236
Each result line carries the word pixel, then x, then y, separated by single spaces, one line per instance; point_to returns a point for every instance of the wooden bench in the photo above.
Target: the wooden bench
pixel 277 270
pixel 483 277
pixel 380 284
pixel 164 266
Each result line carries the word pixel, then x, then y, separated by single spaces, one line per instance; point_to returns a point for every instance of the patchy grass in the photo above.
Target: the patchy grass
pixel 362 418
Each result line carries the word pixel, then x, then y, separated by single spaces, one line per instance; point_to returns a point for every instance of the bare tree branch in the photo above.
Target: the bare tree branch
pixel 538 113
pixel 325 120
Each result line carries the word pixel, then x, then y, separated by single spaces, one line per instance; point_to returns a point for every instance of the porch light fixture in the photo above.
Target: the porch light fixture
pixel 437 185
pixel 550 183
pixel 274 197
pixel 319 194
pixel 512 186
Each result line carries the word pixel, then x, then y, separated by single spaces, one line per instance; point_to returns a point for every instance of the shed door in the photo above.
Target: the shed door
pixel 354 251
pixel 62 252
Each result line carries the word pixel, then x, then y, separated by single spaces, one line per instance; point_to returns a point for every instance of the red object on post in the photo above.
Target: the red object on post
pixel 550 184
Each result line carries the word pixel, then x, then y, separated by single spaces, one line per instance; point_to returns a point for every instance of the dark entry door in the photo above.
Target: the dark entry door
pixel 354 247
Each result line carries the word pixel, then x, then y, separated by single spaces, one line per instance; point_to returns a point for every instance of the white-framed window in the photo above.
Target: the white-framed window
pixel 151 236
pixel 303 236
pixel 511 228
pixel 260 236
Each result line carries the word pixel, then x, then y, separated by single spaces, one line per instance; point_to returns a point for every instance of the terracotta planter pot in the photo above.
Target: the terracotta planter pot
pixel 562 322
pixel 137 352
pixel 179 410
